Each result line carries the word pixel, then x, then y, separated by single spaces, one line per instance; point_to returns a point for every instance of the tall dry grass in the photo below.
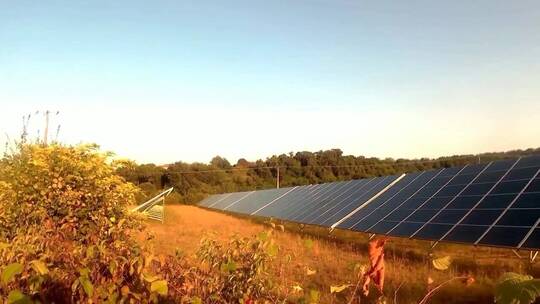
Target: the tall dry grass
pixel 335 258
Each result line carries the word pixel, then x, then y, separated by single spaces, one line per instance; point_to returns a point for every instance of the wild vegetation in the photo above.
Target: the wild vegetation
pixel 192 182
pixel 65 231
pixel 66 236
pixel 314 267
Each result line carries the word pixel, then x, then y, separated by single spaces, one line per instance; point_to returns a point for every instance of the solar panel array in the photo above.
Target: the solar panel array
pixel 494 204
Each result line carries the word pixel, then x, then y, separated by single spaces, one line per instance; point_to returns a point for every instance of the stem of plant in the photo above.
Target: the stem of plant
pixel 355 289
pixel 431 292
pixel 395 292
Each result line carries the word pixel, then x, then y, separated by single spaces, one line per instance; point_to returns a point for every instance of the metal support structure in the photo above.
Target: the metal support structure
pixel 330 230
pixel 532 256
pixel 154 208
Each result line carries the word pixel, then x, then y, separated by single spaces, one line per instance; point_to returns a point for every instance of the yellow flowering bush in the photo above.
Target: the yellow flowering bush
pixel 65 232
pixel 66 237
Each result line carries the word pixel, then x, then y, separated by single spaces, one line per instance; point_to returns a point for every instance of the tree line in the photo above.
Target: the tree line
pixel 194 181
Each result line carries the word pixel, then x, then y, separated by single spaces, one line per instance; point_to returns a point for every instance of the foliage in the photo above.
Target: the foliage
pixel 65 230
pixel 299 168
pixel 66 236
pixel 442 263
pixel 238 271
pixel 340 288
pixel 514 288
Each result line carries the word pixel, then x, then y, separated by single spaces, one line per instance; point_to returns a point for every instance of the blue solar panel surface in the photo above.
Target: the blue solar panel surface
pixel 493 204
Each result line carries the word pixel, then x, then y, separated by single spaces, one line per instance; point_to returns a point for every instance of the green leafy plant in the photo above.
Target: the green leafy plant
pixel 237 271
pixel 441 263
pixel 65 232
pixel 340 288
pixel 514 288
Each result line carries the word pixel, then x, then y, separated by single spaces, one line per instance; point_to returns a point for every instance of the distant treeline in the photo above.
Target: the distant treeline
pixel 192 182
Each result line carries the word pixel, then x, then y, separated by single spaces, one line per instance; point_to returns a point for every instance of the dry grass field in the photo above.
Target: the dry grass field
pixel 336 258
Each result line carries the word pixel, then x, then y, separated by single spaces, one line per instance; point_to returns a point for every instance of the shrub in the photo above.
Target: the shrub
pixel 65 234
pixel 238 271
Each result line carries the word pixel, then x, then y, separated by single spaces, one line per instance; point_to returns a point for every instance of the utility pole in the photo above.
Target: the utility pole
pixel 46 132
pixel 277 179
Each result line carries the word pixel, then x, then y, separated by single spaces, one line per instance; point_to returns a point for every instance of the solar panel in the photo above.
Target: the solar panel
pixel 312 207
pixel 256 200
pixel 210 200
pixel 230 199
pixel 279 207
pixel 494 204
pixel 333 213
pixel 289 207
pixel 384 204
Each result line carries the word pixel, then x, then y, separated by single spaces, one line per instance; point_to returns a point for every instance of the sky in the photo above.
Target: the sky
pixel 163 81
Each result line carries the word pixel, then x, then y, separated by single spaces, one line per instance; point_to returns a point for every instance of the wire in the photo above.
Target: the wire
pixel 384 163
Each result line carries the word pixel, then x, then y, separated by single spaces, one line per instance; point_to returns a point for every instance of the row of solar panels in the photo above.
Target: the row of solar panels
pixel 494 204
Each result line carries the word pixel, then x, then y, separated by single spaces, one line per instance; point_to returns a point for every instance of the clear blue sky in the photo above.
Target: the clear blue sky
pixel 252 78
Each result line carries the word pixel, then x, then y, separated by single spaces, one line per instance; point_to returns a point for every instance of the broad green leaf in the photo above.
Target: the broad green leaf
pixel 39 267
pixel 90 251
pixel 112 267
pixel 87 285
pixel 10 271
pixel 149 277
pixel 314 296
pixel 84 272
pixel 17 297
pixel 442 263
pixel 272 250
pixel 228 267
pixel 3 246
pixel 263 236
pixel 308 243
pixel 196 300
pixel 338 289
pixel 514 288
pixel 160 287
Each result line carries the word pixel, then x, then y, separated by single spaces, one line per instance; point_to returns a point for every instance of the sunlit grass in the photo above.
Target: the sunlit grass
pixel 333 257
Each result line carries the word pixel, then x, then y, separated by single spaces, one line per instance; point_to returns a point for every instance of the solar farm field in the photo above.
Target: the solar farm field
pixel 72 230
pixel 310 261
